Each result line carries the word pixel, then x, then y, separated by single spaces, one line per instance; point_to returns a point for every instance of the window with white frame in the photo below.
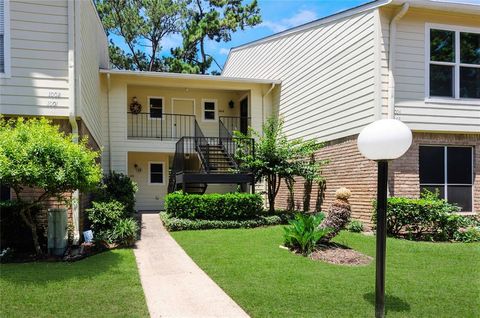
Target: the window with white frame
pixel 454 63
pixel 156 174
pixel 448 170
pixel 156 107
pixel 209 109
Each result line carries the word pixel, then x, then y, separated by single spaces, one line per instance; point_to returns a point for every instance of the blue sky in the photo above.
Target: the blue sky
pixel 277 15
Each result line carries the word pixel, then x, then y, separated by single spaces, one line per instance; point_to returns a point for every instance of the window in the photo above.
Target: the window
pixel 156 172
pixel 4 39
pixel 209 109
pixel 4 193
pixel 156 106
pixel 454 63
pixel 450 171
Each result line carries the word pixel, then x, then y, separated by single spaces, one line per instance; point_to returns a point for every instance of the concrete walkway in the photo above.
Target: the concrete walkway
pixel 174 285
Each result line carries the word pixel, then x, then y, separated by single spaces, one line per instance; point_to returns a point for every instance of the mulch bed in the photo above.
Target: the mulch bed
pixel 340 255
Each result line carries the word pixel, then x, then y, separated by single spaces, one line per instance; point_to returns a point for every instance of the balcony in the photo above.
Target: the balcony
pixel 166 126
pixel 160 126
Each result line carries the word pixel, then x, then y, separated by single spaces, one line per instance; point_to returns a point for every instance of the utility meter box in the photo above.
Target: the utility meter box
pixel 57 232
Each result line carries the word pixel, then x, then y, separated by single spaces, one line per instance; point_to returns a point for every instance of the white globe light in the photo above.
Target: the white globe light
pixel 384 139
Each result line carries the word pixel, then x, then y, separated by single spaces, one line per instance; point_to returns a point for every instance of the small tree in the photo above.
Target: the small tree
pixel 312 174
pixel 35 154
pixel 277 158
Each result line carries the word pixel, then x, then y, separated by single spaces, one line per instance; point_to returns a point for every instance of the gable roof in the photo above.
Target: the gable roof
pixel 458 7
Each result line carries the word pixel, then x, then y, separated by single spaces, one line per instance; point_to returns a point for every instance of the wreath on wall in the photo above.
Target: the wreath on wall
pixel 135 106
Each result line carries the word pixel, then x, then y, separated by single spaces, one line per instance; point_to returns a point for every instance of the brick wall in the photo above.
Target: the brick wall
pixel 348 168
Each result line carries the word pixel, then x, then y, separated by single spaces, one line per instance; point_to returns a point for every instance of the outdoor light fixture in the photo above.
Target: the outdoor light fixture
pixel 383 140
pixel 231 104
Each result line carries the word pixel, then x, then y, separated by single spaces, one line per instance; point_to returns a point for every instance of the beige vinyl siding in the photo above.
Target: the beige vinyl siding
pixel 39 59
pixel 93 54
pixel 327 73
pixel 409 72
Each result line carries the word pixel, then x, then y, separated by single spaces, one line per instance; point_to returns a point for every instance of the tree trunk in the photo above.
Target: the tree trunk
pixel 27 218
pixel 271 193
pixel 291 194
pixel 204 57
pixel 307 195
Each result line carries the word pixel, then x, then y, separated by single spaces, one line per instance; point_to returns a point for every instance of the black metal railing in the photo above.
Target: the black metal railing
pixel 229 124
pixel 161 126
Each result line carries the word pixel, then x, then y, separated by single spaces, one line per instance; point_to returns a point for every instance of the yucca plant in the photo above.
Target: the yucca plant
pixel 303 233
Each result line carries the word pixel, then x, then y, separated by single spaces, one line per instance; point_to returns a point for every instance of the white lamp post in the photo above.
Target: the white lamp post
pixel 383 140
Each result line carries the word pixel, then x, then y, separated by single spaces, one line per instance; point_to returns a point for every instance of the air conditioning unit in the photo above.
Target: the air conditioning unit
pixel 57 232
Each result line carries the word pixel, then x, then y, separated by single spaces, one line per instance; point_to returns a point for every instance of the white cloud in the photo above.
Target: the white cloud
pixel 224 51
pixel 301 17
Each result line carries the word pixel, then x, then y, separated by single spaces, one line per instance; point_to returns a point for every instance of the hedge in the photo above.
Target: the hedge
pixel 427 218
pixel 178 224
pixel 230 206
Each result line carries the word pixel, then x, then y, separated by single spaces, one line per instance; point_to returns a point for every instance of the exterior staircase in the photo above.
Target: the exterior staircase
pixel 200 160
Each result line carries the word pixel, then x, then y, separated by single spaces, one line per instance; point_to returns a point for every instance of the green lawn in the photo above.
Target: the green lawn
pixel 423 279
pixel 104 285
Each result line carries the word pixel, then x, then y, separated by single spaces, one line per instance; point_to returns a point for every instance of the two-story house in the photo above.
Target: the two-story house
pixel 166 131
pixel 417 61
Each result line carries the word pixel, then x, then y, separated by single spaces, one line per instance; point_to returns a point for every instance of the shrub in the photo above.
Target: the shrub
pixel 355 226
pixel 105 215
pixel 426 218
pixel 468 235
pixel 176 224
pixel 117 186
pixel 124 232
pixel 304 232
pixel 230 206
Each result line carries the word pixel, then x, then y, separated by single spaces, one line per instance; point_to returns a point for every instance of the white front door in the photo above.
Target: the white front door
pixel 183 125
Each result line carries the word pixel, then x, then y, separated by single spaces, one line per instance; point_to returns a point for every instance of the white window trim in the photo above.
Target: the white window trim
pixel 150 173
pixel 149 108
pixel 448 100
pixel 445 183
pixel 215 102
pixel 6 41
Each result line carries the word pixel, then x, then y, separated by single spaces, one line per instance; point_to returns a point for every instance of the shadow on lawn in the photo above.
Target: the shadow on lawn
pixel 392 303
pixel 42 273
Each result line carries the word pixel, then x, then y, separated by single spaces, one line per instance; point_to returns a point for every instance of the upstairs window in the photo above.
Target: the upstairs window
pixel 448 170
pixel 4 38
pixel 209 110
pixel 454 63
pixel 156 107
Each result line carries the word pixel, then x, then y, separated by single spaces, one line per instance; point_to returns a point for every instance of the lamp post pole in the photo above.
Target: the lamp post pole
pixel 381 238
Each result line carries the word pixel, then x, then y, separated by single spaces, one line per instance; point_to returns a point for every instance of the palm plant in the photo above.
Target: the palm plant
pixel 304 233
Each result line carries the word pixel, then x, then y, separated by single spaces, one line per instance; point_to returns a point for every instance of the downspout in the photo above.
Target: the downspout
pixel 391 59
pixel 263 122
pixel 108 124
pixel 263 103
pixel 72 116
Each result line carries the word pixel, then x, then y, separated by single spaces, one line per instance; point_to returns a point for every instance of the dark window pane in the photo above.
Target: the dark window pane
pixel 441 80
pixel 470 48
pixel 442 46
pixel 156 102
pixel 434 189
pixel 156 167
pixel 156 112
pixel 4 193
pixel 459 165
pixel 2 57
pixel 469 82
pixel 209 115
pixel 209 106
pixel 460 195
pixel 156 178
pixel 432 165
